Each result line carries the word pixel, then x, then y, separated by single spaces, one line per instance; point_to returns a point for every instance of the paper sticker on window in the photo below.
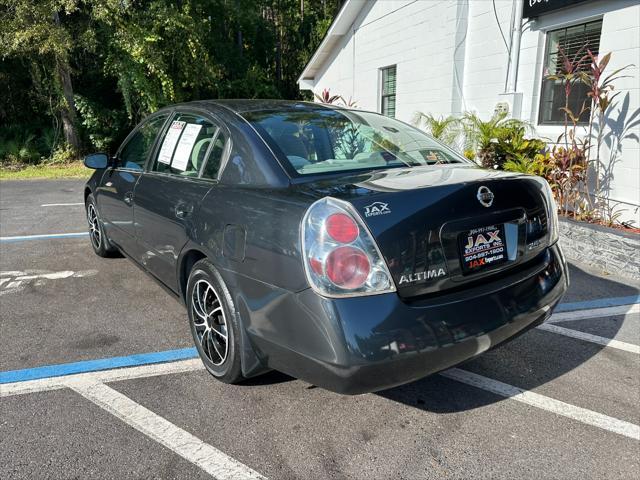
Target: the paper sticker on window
pixel 433 156
pixel 183 150
pixel 170 140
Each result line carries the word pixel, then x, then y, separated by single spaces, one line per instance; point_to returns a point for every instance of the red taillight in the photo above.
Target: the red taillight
pixel 341 258
pixel 316 265
pixel 341 228
pixel 348 267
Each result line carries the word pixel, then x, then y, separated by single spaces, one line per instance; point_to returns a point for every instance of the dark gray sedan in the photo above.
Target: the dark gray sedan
pixel 338 246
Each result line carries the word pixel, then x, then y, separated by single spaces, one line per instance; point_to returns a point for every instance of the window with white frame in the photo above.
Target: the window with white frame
pixel 570 44
pixel 388 91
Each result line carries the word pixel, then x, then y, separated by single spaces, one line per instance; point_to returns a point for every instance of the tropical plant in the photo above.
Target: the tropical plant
pixel 572 163
pixel 327 98
pixel 446 129
pixel 349 141
pixel 351 103
pixel 488 138
pixel 566 174
pixel 602 95
pixel 535 166
pixel 512 145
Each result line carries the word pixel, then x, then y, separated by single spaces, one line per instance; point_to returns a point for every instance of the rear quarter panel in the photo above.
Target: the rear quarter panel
pixel 269 222
pixel 252 237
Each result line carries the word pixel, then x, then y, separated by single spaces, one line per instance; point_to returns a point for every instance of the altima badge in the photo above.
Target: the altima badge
pixel 485 196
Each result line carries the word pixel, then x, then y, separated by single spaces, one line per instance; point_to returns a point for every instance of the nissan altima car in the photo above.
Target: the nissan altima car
pixel 338 246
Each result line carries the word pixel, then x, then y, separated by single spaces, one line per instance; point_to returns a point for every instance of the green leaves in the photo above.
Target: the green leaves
pixel 446 129
pixel 122 59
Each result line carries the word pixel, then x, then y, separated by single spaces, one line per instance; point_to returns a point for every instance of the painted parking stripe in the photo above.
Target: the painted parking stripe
pixel 587 337
pixel 49 371
pixel 171 355
pixel 59 370
pixel 189 447
pixel 594 313
pixel 598 303
pixel 543 402
pixel 23 238
pixel 61 204
pixel 104 376
pixel 494 386
pixel 469 378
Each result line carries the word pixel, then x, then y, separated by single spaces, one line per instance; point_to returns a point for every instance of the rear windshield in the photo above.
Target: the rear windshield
pixel 317 141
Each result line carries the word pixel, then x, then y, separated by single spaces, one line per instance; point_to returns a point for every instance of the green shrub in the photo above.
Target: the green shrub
pixel 20 148
pixel 102 125
pixel 63 154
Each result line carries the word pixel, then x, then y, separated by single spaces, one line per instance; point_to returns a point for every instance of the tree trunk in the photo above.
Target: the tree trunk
pixel 68 111
pixel 278 49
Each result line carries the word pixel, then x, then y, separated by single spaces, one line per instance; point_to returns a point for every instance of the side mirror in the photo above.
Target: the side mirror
pixel 96 161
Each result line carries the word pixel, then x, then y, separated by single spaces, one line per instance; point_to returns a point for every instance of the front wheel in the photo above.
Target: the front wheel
pixel 99 240
pixel 214 323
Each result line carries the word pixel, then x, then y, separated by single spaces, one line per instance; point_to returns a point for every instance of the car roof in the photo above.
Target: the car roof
pixel 251 105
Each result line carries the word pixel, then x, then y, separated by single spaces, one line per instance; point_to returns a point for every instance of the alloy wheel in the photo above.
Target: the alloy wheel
pixel 210 322
pixel 94 227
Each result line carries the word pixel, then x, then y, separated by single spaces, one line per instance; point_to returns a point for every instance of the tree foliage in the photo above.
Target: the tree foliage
pixel 94 68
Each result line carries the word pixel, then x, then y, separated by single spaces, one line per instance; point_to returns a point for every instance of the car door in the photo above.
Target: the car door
pixel 168 195
pixel 115 194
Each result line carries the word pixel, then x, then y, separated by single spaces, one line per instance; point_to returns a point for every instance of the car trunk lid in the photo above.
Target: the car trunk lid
pixel 435 225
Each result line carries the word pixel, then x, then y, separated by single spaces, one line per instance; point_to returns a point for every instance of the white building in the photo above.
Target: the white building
pixel 451 56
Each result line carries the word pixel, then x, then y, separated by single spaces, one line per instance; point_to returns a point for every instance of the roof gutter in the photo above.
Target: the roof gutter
pixel 339 28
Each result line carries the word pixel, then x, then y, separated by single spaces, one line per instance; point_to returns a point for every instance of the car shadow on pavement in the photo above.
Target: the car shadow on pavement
pixel 272 377
pixel 527 362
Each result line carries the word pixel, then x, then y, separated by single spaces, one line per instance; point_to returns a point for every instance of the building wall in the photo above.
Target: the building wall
pixel 451 58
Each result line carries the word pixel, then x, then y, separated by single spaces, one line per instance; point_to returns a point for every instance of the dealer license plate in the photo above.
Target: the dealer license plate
pixel 482 248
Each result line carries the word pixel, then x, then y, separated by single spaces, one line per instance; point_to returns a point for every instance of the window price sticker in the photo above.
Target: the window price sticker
pixel 170 140
pixel 183 150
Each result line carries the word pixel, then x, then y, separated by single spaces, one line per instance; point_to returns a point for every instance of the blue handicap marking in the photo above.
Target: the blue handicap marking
pixel 62 369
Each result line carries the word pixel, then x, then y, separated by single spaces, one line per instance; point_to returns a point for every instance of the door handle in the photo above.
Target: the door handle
pixel 183 210
pixel 128 198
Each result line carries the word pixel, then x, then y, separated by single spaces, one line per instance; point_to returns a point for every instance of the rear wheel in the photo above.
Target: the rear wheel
pixel 99 240
pixel 214 322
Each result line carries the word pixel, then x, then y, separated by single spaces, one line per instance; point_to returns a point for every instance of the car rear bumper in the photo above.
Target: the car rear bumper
pixel 364 344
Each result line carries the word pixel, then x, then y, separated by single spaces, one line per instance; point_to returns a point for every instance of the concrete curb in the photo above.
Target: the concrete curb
pixel 613 251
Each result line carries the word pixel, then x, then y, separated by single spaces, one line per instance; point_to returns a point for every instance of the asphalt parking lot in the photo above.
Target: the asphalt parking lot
pixel 98 380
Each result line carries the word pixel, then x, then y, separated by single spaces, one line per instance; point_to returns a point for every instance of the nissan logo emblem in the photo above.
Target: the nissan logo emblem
pixel 485 196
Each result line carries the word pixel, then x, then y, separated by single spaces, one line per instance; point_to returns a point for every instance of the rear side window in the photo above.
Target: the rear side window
pixel 134 153
pixel 185 145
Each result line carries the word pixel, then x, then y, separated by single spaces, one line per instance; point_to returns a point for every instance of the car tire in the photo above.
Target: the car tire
pixel 214 322
pixel 99 241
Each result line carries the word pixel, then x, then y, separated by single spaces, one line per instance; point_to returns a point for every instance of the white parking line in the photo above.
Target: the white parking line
pixel 61 204
pixel 189 447
pixel 540 401
pixel 587 337
pixel 594 313
pixel 580 414
pixel 16 238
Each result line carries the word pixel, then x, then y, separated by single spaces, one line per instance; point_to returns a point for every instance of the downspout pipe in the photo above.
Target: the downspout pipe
pixel 514 51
